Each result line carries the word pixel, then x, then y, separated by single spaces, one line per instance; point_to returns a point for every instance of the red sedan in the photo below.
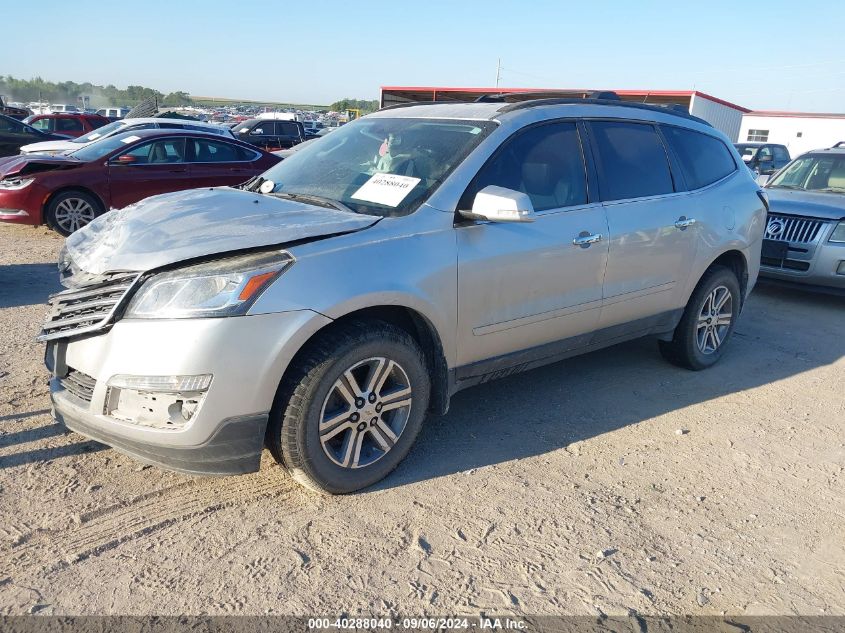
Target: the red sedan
pixel 68 191
pixel 67 124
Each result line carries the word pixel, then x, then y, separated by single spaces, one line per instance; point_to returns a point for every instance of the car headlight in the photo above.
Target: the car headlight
pixel 225 287
pixel 13 184
pixel 838 234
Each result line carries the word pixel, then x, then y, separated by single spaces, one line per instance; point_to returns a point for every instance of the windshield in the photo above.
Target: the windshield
pixel 747 152
pixel 819 172
pixel 99 132
pixel 377 166
pixel 102 147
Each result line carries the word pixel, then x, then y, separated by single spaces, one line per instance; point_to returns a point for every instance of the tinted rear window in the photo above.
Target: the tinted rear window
pixel 704 159
pixel 632 159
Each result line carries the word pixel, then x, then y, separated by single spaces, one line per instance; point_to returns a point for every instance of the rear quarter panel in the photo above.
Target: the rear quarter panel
pixel 731 217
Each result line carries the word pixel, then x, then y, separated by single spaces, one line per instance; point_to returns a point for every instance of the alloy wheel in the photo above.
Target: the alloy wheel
pixel 73 213
pixel 714 320
pixel 365 412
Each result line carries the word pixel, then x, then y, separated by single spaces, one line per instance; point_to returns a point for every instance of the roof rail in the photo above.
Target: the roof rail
pixel 838 145
pixel 675 109
pixel 523 100
pixel 519 97
pixel 409 104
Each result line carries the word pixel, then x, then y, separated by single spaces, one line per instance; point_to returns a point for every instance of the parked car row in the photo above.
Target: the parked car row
pixel 124 125
pixel 67 191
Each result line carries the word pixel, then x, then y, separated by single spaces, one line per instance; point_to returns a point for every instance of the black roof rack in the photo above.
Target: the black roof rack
pixel 670 108
pixel 519 97
pixel 409 104
pixel 838 145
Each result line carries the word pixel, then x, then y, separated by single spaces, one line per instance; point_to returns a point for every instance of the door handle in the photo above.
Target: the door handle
pixel 585 239
pixel 683 222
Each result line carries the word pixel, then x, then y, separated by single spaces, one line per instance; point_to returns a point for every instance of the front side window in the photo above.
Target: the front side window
pixel 820 172
pixel 171 150
pixel 42 124
pixel 544 161
pixel 265 128
pixel 379 166
pixel 704 159
pixel 758 136
pixel 632 160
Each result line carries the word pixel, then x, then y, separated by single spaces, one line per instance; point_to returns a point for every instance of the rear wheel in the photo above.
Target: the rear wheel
pixel 69 211
pixel 708 321
pixel 350 408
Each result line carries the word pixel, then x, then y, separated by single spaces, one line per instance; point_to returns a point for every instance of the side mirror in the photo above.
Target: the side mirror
pixel 499 204
pixel 125 159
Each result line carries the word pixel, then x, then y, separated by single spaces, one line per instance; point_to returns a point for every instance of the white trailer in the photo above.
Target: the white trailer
pixel 799 131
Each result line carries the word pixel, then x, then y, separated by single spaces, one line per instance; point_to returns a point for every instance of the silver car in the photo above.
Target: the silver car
pixel 805 231
pixel 324 309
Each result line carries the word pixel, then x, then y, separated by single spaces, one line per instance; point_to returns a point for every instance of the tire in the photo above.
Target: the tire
pixel 698 343
pixel 70 210
pixel 377 355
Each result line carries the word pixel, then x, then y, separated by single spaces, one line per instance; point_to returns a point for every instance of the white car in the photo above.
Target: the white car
pixel 113 113
pixel 124 125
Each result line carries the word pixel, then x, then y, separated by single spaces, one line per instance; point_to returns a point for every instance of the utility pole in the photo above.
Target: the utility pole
pixel 498 71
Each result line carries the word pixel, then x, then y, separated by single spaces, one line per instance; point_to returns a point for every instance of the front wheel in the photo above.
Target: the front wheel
pixel 69 211
pixel 350 408
pixel 708 321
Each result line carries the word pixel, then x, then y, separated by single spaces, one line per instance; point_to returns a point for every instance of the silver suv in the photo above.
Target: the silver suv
pixel 324 309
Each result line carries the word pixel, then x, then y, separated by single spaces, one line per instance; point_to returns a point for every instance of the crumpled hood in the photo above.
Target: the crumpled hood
pixel 807 203
pixel 175 227
pixel 34 163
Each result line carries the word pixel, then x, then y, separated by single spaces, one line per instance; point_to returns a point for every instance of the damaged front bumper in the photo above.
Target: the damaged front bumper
pixel 191 395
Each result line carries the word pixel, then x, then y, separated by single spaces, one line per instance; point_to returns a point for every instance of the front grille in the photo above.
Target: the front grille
pixel 788 264
pixel 78 384
pixel 787 228
pixel 84 309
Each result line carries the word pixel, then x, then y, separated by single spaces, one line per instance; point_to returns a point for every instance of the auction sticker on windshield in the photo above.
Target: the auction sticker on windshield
pixel 387 189
pixel 131 139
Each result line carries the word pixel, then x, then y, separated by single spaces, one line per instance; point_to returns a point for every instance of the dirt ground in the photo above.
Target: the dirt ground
pixel 607 483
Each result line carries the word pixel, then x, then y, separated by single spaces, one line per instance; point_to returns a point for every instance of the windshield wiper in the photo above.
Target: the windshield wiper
pixel 785 187
pixel 832 189
pixel 307 197
pixel 252 184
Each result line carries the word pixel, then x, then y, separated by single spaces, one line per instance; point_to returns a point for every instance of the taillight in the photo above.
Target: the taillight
pixel 764 198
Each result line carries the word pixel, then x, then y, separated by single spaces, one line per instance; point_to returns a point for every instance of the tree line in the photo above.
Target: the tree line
pixel 29 90
pixel 355 104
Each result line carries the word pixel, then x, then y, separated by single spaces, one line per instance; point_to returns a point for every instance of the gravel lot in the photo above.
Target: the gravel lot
pixel 607 483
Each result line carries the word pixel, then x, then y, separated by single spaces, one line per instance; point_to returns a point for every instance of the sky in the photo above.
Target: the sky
pixel 773 55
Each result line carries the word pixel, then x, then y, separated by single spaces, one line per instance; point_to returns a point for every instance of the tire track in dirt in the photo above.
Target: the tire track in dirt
pixel 107 528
